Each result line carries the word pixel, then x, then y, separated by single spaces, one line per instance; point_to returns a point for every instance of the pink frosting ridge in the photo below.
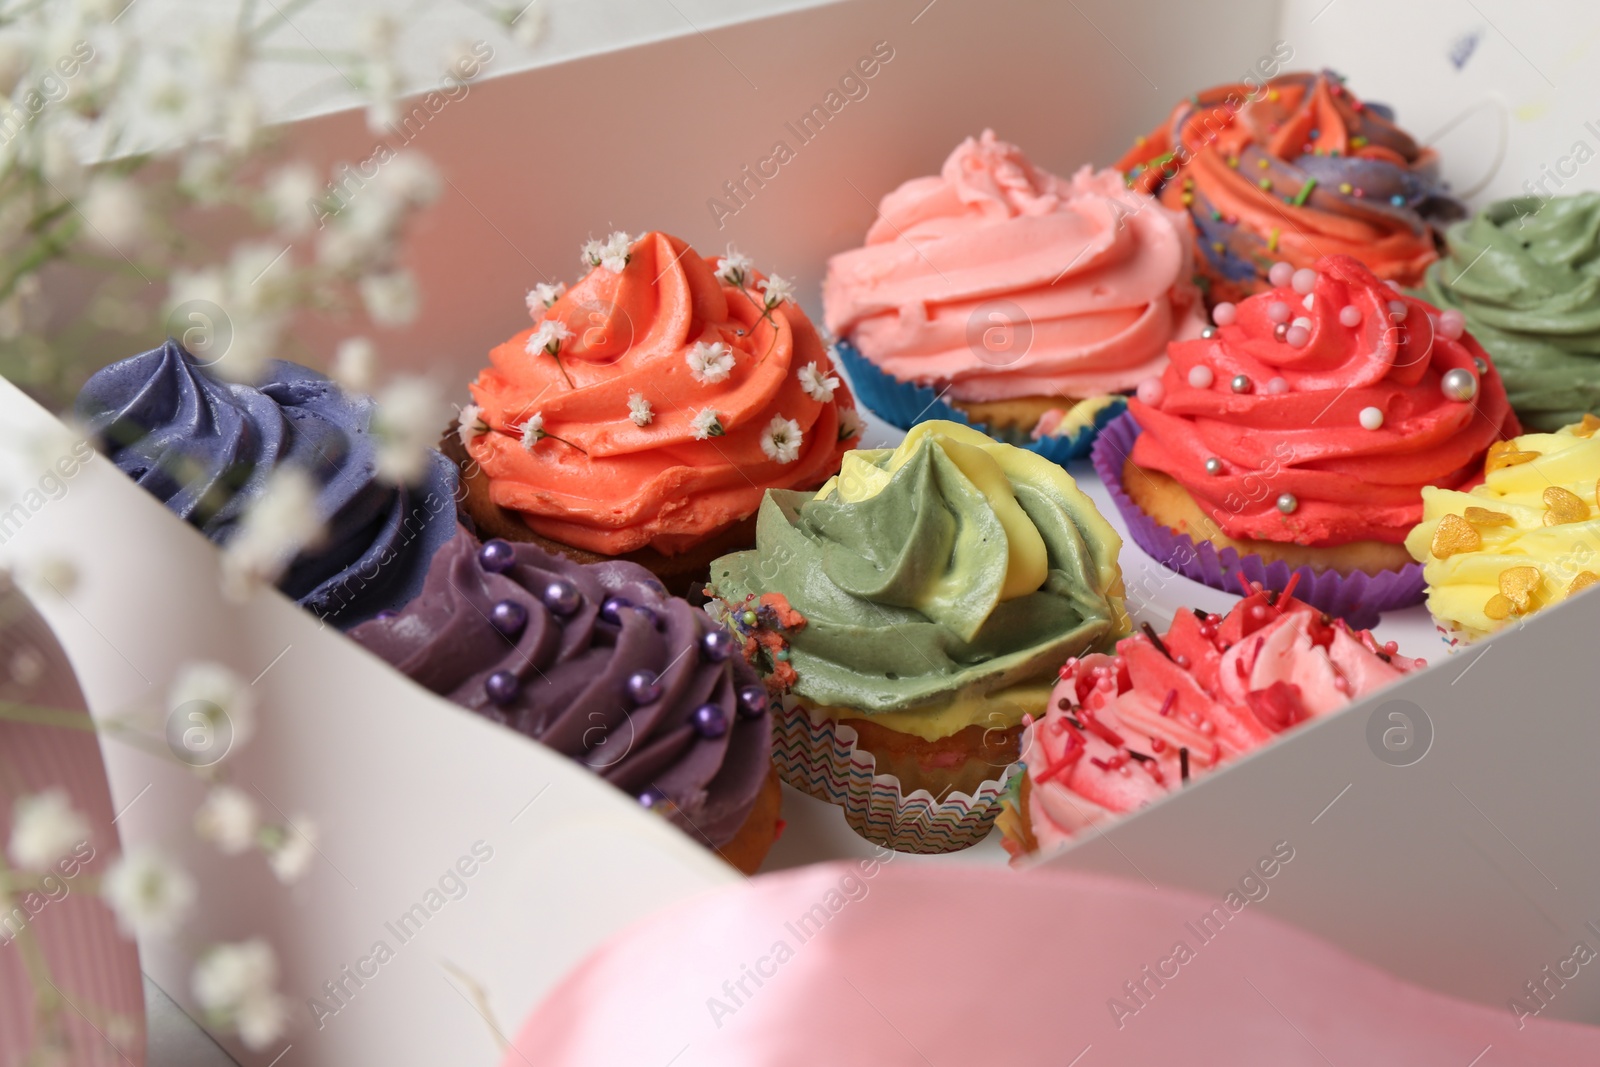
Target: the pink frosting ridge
pixel 1002 280
pixel 1216 687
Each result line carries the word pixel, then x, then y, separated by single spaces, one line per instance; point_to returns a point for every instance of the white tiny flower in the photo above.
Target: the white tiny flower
pixel 390 298
pixel 241 120
pixel 57 575
pixel 850 424
pixel 148 894
pixel 405 424
pixel 639 410
pixel 612 254
pixel 707 423
pixel 543 296
pixel 218 696
pixel 710 363
pixel 781 439
pixel 776 290
pixel 472 425
pixel 413 178
pixel 532 431
pixel 290 194
pixel 274 529
pixel 44 828
pixel 547 337
pixel 261 1020
pixel 734 268
pixel 291 855
pixel 228 819
pixel 230 974
pixel 355 364
pixel 527 24
pixel 818 383
pixel 113 210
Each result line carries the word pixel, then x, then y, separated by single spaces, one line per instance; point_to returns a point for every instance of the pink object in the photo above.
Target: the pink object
pixel 1006 281
pixel 1224 314
pixel 1452 323
pixel 1350 315
pixel 1280 274
pixel 1304 280
pixel 1151 391
pixel 883 962
pixel 94 967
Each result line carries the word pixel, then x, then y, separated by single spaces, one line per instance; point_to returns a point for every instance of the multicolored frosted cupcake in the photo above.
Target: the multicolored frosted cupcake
pixel 1125 730
pixel 1525 538
pixel 1000 295
pixel 1294 171
pixel 914 610
pixel 1298 436
pixel 206 448
pixel 1525 274
pixel 599 663
pixel 646 410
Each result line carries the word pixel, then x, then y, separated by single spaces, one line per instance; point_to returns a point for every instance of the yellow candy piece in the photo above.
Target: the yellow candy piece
pixel 1517 585
pixel 1454 534
pixel 1587 427
pixel 1583 581
pixel 1564 506
pixel 1498 608
pixel 1506 454
pixel 1485 517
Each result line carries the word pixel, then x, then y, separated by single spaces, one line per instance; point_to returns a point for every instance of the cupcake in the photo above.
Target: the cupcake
pixel 597 662
pixel 1525 273
pixel 206 447
pixel 1001 295
pixel 1125 730
pixel 1522 539
pixel 646 410
pixel 1294 171
pixel 1298 436
pixel 914 610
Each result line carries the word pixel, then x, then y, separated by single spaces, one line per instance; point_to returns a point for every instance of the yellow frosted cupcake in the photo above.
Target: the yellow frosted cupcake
pixel 1526 538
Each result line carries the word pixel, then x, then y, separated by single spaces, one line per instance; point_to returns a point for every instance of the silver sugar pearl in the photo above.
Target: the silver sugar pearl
pixel 1481 363
pixel 1280 331
pixel 1213 465
pixel 1459 384
pixel 1240 383
pixel 1287 503
pixel 1209 332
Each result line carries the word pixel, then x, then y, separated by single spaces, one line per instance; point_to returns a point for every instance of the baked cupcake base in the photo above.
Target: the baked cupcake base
pixel 904 404
pixel 684 575
pixel 749 847
pixel 1358 596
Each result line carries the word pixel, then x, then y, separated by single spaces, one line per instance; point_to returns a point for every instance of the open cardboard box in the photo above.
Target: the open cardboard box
pixel 1466 871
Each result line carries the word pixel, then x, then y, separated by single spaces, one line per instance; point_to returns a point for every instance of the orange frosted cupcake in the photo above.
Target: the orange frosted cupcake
pixel 647 410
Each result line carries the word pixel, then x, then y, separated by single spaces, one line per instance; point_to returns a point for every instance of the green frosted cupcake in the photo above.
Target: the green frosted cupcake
pixel 1525 273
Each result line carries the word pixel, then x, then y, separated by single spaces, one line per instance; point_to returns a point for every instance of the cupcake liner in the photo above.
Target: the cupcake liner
pixel 1358 598
pixel 904 404
pixel 821 758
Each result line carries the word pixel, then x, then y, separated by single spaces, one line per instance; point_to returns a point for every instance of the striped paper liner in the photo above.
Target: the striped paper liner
pixel 818 755
pixel 92 966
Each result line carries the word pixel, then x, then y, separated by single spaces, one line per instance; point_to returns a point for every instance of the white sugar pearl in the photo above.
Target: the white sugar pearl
pixel 1224 314
pixel 1280 274
pixel 1398 310
pixel 1200 377
pixel 1278 311
pixel 1277 386
pixel 1304 280
pixel 1371 418
pixel 1350 316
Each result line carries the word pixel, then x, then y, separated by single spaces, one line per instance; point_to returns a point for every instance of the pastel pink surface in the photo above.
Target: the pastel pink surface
pixel 93 966
pixel 944 965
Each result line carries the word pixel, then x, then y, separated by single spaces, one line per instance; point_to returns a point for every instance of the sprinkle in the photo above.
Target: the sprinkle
pixel 1150 632
pixel 1454 534
pixel 1265 183
pixel 1506 454
pixel 1498 607
pixel 1583 581
pixel 1272 240
pixel 1263 164
pixel 1183 762
pixel 1345 187
pixel 1233 162
pixel 1166 705
pixel 1517 584
pixel 1587 427
pixel 1371 418
pixel 1305 191
pixel 1485 517
pixel 1563 506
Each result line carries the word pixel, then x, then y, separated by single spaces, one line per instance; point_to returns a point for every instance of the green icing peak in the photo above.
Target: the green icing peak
pixel 901 569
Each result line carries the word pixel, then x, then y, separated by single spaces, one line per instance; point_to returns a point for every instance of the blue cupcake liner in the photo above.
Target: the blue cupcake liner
pixel 1358 598
pixel 904 404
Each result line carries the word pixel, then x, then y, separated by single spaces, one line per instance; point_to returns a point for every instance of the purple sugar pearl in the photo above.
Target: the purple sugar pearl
pixel 717 645
pixel 508 617
pixel 710 721
pixel 502 687
pixel 649 798
pixel 561 597
pixel 611 610
pixel 386 614
pixel 643 687
pixel 497 556
pixel 752 701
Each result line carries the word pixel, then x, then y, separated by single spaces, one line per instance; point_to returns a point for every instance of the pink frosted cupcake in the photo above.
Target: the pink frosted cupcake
pixel 1125 730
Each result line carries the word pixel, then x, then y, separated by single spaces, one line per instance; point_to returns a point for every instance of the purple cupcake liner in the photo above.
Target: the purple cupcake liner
pixel 1358 598
pixel 904 404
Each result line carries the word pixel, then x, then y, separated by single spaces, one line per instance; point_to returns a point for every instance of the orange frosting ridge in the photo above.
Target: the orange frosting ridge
pixel 608 445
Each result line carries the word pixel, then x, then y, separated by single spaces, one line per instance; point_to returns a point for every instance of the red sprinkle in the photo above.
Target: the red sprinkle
pixel 1102 731
pixel 1166 705
pixel 1102 764
pixel 1157 745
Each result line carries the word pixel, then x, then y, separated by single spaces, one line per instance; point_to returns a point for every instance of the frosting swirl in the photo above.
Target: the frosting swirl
pixel 206 447
pixel 1526 538
pixel 673 401
pixel 565 676
pixel 1297 172
pixel 1085 280
pixel 1299 421
pixel 950 566
pixel 1526 273
pixel 1117 728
